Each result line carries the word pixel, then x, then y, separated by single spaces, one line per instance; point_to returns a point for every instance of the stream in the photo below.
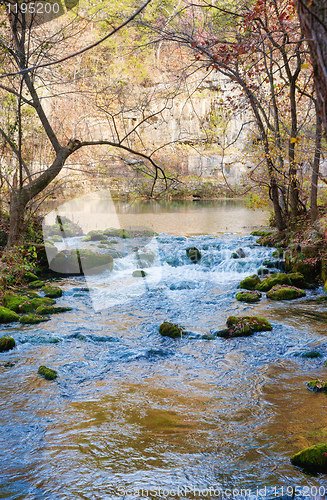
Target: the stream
pixel 133 415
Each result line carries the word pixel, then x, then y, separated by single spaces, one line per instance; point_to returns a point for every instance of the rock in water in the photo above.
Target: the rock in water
pixel 193 254
pixel 250 282
pixel 47 373
pixel 313 459
pixel 250 296
pixel 285 292
pixel 172 330
pixel 7 343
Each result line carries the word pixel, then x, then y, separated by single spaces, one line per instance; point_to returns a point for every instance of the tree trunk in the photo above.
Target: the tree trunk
pixel 18 204
pixel 313 19
pixel 315 170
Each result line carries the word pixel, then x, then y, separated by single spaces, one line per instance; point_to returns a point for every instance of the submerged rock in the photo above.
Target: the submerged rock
pixel 313 459
pixel 7 316
pixel 250 296
pixel 47 373
pixel 310 354
pixel 244 326
pixel 317 385
pixel 250 282
pixel 6 344
pixel 285 292
pixel 172 330
pixel 193 254
pixel 32 319
pixel 271 281
pixel 53 292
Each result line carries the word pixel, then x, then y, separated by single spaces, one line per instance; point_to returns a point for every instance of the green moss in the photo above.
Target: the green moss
pixel 36 284
pixel 139 273
pixel 167 329
pixel 30 277
pixel 317 385
pixel 42 301
pixel 7 343
pixel 32 319
pixel 249 296
pixel 262 232
pixel 276 279
pixel 297 279
pixel 51 310
pixel 246 325
pixel 53 292
pixel 278 254
pixel 17 303
pixel 7 316
pixel 250 282
pixel 285 292
pixel 47 373
pixel 313 459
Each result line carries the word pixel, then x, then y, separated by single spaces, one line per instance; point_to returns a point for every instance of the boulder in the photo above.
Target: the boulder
pixel 285 292
pixel 240 252
pixel 297 279
pixel 6 344
pixel 139 273
pixel 317 385
pixel 276 279
pixel 193 254
pixel 32 319
pixel 250 296
pixel 43 310
pixel 94 235
pixel 36 284
pixel 17 303
pixel 47 373
pixel 313 459
pixel 244 326
pixel 167 329
pixel 41 301
pixel 29 277
pixel 53 292
pixel 7 315
pixel 81 262
pixel 250 282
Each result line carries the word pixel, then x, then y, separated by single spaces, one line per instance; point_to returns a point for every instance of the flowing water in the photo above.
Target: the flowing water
pixel 135 415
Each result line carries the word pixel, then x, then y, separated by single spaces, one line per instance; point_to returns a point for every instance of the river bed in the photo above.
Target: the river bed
pixel 134 415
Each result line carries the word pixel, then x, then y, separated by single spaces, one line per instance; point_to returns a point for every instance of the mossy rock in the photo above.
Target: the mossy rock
pixel 297 279
pixel 263 271
pixel 263 232
pixel 172 330
pixel 42 301
pixel 193 254
pixel 313 459
pixel 317 385
pixel 145 258
pixel 310 270
pixel 271 281
pixel 250 296
pixel 29 277
pixel 6 344
pixel 118 233
pixel 43 310
pixel 56 238
pixel 81 262
pixel 139 273
pixel 245 326
pixel 32 319
pixel 17 303
pixel 53 292
pixel 250 282
pixel 285 292
pixel 47 373
pixel 36 284
pixel 8 316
